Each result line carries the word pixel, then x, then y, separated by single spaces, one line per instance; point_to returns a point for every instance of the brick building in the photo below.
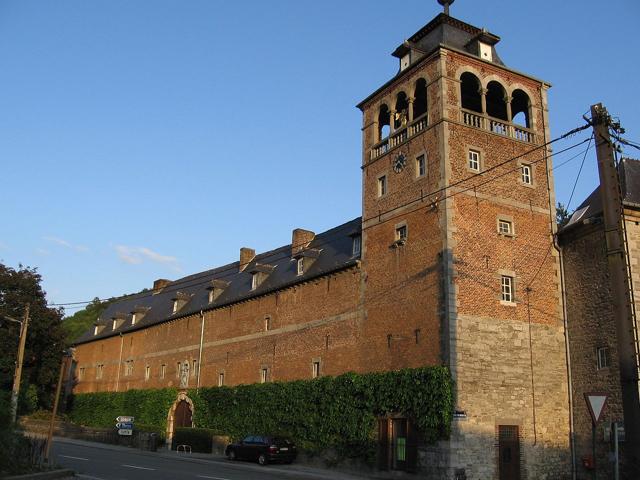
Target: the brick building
pixel 451 263
pixel 590 315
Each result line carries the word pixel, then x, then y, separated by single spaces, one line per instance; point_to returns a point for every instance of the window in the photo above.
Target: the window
pixel 300 265
pixel 267 323
pixel 195 367
pixel 220 379
pixel 128 368
pixel 264 375
pixel 81 373
pixel 175 306
pixel 212 296
pixel 178 369
pixel 401 233
pixel 115 325
pixel 382 185
pixel 421 166
pixel 603 357
pixel 133 319
pixel 315 370
pixel 507 289
pixel 97 330
pixel 357 245
pixel 147 372
pixel 474 160
pixel 163 371
pixel 505 227
pixel 254 281
pixel 526 174
pixel 99 371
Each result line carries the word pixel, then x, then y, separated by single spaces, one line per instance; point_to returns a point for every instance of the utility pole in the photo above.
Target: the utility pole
pixel 620 284
pixel 65 361
pixel 18 372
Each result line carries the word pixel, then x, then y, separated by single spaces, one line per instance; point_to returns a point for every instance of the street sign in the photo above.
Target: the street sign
pixel 125 431
pixel 124 419
pixel 127 426
pixel 596 402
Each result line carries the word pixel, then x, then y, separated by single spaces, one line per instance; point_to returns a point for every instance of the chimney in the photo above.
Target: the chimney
pixel 246 255
pixel 159 284
pixel 300 239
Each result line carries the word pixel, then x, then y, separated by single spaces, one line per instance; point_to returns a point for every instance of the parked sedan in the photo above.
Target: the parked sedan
pixel 262 449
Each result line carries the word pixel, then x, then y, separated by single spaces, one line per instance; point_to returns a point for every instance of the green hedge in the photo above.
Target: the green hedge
pixel 149 407
pixel 325 412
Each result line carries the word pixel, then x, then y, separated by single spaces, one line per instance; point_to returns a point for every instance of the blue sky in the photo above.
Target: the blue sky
pixel 150 139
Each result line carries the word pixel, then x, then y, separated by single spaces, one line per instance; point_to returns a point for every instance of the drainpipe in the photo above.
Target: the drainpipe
pixel 200 354
pixel 119 361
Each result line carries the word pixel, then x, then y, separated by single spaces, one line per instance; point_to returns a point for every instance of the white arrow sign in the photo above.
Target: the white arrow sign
pixel 123 431
pixel 124 419
pixel 596 402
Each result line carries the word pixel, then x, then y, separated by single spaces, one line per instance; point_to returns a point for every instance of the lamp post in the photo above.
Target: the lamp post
pixel 24 324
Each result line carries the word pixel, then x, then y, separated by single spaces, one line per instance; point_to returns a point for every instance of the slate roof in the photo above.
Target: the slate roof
pixel 332 251
pixel 629 172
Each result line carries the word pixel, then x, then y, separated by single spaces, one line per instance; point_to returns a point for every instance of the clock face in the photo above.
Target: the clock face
pixel 399 163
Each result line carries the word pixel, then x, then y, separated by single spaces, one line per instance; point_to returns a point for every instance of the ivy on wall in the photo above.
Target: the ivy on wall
pixel 149 407
pixel 320 413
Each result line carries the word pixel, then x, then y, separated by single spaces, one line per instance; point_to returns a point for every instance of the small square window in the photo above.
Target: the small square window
pixel 315 371
pixel 421 166
pixel 357 245
pixel 505 227
pixel 474 160
pixel 382 185
pixel 401 233
pixel 300 265
pixel 264 375
pixel 220 379
pixel 526 174
pixel 603 357
pixel 507 289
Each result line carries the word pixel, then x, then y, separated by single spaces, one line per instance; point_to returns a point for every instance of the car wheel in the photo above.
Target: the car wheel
pixel 262 459
pixel 232 455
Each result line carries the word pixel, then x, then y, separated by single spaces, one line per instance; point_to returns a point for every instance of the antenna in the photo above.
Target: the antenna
pixel 446 4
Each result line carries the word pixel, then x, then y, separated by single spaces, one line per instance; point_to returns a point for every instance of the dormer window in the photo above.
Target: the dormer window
pixel 300 266
pixel 98 329
pixel 117 321
pixel 356 246
pixel 259 274
pixel 485 51
pixel 179 301
pixel 405 61
pixel 216 287
pixel 138 314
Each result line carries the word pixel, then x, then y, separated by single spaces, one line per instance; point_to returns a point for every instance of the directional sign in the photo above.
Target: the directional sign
pixel 125 431
pixel 596 402
pixel 125 419
pixel 127 426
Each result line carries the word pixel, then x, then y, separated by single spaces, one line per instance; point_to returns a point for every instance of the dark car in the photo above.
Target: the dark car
pixel 262 449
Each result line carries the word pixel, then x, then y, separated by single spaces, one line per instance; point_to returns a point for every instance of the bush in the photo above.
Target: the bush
pixel 19 454
pixel 199 439
pixel 5 407
pixel 28 400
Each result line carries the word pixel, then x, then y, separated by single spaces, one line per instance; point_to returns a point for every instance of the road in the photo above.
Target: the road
pixel 93 461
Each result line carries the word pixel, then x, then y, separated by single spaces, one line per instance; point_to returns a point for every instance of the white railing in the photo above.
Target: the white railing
pixel 483 122
pixel 399 137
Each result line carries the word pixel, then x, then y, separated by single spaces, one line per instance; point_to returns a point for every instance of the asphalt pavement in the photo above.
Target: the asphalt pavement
pixel 95 461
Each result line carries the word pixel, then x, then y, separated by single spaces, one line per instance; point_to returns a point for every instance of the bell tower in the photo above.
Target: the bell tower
pixel 457 247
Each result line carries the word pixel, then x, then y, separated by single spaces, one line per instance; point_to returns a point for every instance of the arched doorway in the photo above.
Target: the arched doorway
pixel 183 416
pixel 180 415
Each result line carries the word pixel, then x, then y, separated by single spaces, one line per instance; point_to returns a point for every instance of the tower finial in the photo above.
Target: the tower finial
pixel 446 4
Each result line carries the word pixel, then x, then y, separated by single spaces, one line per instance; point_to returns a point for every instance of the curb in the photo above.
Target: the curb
pixel 44 475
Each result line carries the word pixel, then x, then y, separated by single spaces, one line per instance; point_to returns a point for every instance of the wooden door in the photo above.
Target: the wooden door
pixel 509 452
pixel 399 443
pixel 183 415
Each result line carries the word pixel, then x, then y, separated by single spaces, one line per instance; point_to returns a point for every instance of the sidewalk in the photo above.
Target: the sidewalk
pixel 203 458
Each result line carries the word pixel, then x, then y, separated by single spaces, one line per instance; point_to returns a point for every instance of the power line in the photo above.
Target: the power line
pixel 196 278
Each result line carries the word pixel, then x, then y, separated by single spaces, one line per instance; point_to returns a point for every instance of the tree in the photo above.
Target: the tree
pixel 45 336
pixel 562 215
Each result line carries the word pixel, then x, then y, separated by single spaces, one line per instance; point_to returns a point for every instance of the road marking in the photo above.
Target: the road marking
pixel 75 458
pixel 213 478
pixel 88 477
pixel 139 468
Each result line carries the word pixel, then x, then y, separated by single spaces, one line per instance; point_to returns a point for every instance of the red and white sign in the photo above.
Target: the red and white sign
pixel 596 402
